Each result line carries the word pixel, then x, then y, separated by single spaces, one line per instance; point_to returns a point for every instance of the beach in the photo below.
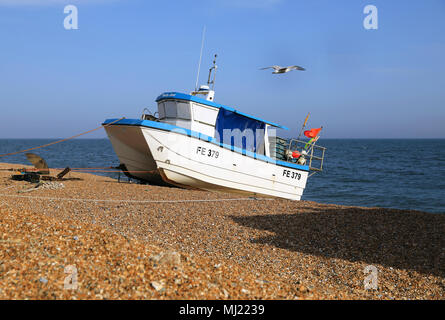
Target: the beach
pixel 134 241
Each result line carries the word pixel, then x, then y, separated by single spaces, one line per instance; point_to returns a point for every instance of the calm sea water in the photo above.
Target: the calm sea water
pixel 404 174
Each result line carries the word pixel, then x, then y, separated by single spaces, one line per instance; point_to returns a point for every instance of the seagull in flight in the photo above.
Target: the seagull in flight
pixel 279 69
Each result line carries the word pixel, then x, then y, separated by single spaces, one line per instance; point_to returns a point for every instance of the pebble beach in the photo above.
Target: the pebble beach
pixel 93 237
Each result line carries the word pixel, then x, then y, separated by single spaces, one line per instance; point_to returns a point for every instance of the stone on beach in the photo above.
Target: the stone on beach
pixel 157 285
pixel 169 258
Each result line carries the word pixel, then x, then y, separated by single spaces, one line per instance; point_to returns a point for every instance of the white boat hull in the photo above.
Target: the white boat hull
pixel 132 149
pixel 178 159
pixel 191 162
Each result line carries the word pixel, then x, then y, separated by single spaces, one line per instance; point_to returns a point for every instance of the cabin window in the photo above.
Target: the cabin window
pixel 174 109
pixel 170 109
pixel 161 110
pixel 183 110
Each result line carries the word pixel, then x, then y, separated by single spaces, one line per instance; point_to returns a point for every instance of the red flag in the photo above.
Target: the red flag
pixel 312 133
pixel 296 154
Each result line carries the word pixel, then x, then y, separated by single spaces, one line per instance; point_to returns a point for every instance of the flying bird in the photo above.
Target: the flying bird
pixel 278 69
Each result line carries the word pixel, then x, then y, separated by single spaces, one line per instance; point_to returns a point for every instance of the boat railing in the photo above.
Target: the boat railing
pixel 311 154
pixel 147 115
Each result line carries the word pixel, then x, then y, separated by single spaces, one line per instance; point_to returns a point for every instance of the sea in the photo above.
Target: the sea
pixel 389 173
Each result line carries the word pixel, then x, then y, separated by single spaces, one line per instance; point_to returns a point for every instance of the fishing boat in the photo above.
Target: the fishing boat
pixel 194 142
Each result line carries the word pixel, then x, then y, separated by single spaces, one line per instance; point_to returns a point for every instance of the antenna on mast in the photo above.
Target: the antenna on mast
pixel 214 73
pixel 200 57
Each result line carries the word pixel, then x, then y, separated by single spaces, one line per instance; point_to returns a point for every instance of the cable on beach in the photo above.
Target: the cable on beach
pixel 136 201
pixel 7 188
pixel 58 141
pixel 84 170
pixel 139 171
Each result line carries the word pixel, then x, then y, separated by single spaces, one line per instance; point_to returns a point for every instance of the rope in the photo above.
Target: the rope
pixel 136 201
pixel 35 169
pixel 7 188
pixel 147 171
pixel 80 170
pixel 58 141
pixel 92 168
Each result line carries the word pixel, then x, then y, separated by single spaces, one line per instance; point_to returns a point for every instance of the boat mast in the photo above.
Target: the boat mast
pixel 205 90
pixel 200 57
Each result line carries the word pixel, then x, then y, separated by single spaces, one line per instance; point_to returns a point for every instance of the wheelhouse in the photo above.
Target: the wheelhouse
pixel 221 122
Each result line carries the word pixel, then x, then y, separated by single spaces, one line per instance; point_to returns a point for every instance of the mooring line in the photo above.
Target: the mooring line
pixel 58 141
pixel 8 187
pixel 84 170
pixel 135 201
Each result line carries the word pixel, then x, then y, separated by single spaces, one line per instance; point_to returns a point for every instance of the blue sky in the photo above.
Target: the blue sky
pixel 384 83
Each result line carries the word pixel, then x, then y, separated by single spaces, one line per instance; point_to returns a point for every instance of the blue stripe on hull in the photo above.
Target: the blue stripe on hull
pixel 194 134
